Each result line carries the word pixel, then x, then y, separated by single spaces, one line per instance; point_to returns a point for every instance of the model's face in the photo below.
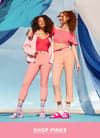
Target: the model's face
pixel 63 18
pixel 41 22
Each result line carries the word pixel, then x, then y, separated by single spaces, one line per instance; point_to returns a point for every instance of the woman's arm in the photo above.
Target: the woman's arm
pixel 30 34
pixel 30 46
pixel 76 57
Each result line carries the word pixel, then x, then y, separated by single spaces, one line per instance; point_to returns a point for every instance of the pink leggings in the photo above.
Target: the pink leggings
pixel 63 59
pixel 42 64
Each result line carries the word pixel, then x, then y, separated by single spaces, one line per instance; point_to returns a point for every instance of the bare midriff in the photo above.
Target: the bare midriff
pixel 59 46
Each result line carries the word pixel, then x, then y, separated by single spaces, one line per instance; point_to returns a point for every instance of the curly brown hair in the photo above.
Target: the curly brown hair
pixel 72 22
pixel 48 24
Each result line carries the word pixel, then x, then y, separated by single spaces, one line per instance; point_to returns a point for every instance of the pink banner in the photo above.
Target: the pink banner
pixel 46 130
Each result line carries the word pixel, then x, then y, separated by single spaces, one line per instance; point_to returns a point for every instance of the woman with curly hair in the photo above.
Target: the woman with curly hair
pixel 64 57
pixel 39 51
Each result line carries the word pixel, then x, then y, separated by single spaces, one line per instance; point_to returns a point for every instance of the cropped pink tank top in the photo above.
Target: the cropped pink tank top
pixel 63 36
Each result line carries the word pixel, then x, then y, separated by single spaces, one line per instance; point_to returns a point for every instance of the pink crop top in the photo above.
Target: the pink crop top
pixel 63 36
pixel 42 44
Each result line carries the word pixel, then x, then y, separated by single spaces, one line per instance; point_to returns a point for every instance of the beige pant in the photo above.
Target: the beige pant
pixel 63 59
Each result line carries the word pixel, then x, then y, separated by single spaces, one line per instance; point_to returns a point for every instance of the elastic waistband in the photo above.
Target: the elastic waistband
pixel 60 49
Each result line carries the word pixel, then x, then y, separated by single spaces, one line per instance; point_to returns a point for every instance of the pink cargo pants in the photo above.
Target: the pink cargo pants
pixel 42 64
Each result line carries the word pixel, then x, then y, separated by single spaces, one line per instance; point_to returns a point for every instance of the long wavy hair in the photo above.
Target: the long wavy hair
pixel 72 22
pixel 48 24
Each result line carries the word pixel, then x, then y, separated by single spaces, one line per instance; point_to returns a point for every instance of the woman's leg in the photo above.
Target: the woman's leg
pixel 69 66
pixel 32 70
pixel 57 71
pixel 56 83
pixel 44 70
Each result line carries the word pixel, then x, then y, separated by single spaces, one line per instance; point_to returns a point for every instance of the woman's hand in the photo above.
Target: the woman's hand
pixel 30 34
pixel 32 55
pixel 78 67
pixel 51 61
pixel 35 54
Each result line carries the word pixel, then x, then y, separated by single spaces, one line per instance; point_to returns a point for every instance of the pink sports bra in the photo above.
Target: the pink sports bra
pixel 63 36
